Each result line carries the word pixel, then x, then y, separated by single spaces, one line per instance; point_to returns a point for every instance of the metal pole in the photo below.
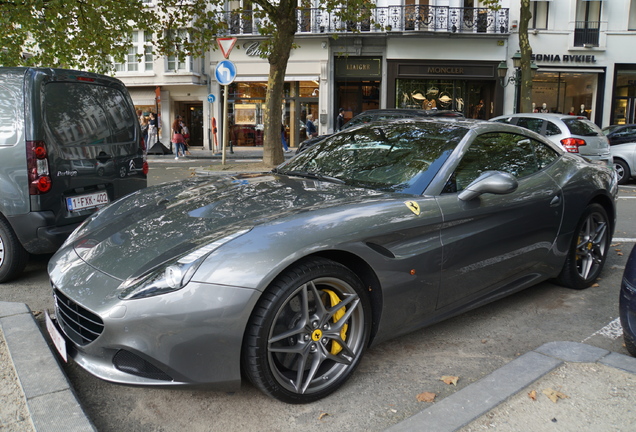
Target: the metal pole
pixel 517 90
pixel 225 126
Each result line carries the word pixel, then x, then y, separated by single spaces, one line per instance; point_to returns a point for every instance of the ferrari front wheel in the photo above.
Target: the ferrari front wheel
pixel 308 332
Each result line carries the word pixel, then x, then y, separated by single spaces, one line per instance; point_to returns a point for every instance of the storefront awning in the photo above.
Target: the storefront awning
pixel 144 96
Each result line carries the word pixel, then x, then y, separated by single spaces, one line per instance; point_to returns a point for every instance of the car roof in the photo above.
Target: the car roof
pixel 543 116
pixel 406 111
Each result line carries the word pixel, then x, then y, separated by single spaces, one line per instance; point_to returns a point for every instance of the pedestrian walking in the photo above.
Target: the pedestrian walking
pixel 340 120
pixel 177 137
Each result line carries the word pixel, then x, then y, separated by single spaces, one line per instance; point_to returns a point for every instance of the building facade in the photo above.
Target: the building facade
pixel 435 54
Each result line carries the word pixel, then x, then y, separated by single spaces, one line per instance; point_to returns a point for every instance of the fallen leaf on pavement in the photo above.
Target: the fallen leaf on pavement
pixel 448 379
pixel 426 397
pixel 320 417
pixel 554 395
pixel 595 285
pixel 533 395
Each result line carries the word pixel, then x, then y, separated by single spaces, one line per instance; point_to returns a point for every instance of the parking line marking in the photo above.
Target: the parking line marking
pixel 624 240
pixel 613 330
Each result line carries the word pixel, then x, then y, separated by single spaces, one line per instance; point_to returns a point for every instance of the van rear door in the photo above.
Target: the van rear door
pixel 92 137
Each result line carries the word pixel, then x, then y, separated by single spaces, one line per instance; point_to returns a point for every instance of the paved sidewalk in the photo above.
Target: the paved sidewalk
pixel 597 389
pixel 50 402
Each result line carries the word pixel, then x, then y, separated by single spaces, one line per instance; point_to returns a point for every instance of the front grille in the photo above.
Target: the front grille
pixel 131 363
pixel 79 324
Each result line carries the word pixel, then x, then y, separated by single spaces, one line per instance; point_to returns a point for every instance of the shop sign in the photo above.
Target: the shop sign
pixel 253 49
pixel 358 67
pixel 564 58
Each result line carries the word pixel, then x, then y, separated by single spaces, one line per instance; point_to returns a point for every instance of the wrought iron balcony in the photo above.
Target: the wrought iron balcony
pixel 407 19
pixel 586 33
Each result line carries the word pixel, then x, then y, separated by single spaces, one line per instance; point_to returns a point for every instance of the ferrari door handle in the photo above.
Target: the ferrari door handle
pixel 556 201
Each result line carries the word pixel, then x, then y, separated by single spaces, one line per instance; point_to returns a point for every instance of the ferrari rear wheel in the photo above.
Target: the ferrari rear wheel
pixel 588 250
pixel 308 332
pixel 13 257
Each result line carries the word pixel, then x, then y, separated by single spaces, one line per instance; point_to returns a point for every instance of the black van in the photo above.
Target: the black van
pixel 70 143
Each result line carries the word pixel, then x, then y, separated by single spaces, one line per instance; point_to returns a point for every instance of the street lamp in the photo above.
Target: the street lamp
pixel 515 78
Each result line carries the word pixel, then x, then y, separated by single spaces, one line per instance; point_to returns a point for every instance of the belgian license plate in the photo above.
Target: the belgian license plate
pixel 82 202
pixel 56 336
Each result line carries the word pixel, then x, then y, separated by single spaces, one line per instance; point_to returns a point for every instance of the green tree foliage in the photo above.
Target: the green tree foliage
pixel 82 34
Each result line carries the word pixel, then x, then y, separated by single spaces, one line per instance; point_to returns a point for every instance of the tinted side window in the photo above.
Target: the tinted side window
pixel 545 155
pixel 122 119
pixel 533 124
pixel 506 152
pixel 10 115
pixel 582 127
pixel 552 129
pixel 73 114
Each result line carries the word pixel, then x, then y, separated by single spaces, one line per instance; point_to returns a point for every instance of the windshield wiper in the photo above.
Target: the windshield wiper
pixel 311 175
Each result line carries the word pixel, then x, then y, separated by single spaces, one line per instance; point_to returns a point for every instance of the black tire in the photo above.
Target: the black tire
pixel 629 344
pixel 13 257
pixel 289 328
pixel 588 249
pixel 623 172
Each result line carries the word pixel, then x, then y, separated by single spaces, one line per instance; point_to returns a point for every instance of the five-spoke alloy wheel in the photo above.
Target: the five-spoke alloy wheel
pixel 308 332
pixel 588 250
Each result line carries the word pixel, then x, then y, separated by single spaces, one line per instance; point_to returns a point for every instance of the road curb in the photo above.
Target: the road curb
pixel 50 400
pixel 477 399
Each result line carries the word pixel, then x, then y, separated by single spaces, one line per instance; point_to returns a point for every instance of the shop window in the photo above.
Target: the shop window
pixel 564 92
pixel 468 97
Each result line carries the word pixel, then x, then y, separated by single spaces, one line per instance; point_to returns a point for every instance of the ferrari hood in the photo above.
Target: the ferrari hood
pixel 160 223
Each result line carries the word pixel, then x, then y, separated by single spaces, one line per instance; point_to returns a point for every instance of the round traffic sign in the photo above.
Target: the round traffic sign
pixel 225 72
pixel 211 98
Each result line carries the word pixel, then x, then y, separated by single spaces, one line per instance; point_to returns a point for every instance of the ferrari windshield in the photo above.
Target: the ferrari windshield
pixel 401 156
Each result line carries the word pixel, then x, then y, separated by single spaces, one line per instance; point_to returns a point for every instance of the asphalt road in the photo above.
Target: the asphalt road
pixel 383 390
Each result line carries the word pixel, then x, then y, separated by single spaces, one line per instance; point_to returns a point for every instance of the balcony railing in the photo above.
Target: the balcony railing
pixel 408 19
pixel 586 33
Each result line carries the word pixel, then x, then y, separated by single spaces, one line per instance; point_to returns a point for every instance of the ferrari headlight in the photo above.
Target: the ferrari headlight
pixel 173 275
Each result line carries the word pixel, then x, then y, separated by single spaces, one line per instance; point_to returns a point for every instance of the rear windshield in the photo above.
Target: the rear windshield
pixel 85 114
pixel 582 127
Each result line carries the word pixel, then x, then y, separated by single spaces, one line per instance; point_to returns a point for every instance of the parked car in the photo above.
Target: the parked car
pixel 627 303
pixel 381 114
pixel 290 275
pixel 576 134
pixel 620 134
pixel 53 125
pixel 624 156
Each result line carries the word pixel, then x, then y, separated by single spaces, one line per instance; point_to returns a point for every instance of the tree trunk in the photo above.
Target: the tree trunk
pixel 526 58
pixel 282 43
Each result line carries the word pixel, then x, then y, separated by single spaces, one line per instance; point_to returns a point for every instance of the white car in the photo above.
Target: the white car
pixel 576 134
pixel 624 161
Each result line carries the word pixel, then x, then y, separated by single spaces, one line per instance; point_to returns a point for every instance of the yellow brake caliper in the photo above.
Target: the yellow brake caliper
pixel 333 297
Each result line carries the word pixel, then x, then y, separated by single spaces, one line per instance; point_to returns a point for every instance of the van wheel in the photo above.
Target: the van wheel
pixel 13 257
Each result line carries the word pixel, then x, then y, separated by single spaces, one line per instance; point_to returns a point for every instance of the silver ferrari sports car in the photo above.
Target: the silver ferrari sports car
pixel 285 278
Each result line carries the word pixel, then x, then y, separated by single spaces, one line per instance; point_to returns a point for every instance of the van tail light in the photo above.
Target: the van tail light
pixel 145 168
pixel 143 143
pixel 38 168
pixel 572 144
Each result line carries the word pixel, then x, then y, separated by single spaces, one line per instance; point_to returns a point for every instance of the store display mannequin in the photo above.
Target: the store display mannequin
pixel 582 112
pixel 544 108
